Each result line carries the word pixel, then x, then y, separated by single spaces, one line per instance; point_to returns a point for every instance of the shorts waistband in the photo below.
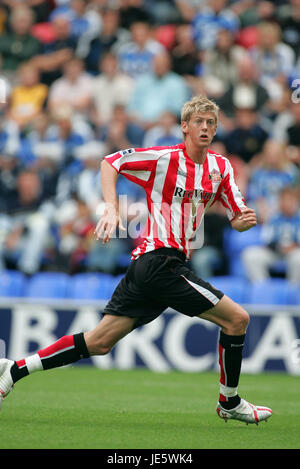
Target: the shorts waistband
pixel 169 252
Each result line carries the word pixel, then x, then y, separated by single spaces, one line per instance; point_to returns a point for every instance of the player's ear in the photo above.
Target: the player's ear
pixel 184 127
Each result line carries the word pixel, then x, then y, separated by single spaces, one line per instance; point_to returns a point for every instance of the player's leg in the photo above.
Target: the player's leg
pixel 187 293
pixel 107 333
pixel 233 321
pixel 66 350
pixel 126 310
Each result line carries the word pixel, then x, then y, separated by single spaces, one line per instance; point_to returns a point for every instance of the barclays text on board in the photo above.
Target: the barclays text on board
pixel 172 341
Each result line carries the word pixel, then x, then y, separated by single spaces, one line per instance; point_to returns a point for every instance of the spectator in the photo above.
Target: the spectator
pixel 112 36
pixel 293 134
pixel 3 19
pixel 85 23
pixel 185 56
pixel 56 53
pixel 133 11
pixel 110 88
pixel 18 45
pixel 88 184
pixel 167 132
pixel 157 92
pixel 275 60
pixel 247 137
pixel 43 151
pixel 40 8
pixel 37 142
pixel 136 57
pixel 209 20
pixel 281 236
pixel 10 139
pixel 220 65
pixel 69 132
pixel 288 16
pixel 286 129
pixel 9 168
pixel 244 90
pixel 28 97
pixel 252 13
pixel 73 89
pixel 120 132
pixel 85 26
pixel 273 173
pixel 28 216
pixel 75 235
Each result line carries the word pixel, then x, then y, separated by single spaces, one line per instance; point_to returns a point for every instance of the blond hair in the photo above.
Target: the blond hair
pixel 199 104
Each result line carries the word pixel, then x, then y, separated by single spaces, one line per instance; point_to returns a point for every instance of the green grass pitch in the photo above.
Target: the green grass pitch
pixel 87 408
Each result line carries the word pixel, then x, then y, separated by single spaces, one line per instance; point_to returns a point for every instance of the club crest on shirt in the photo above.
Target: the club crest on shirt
pixel 215 176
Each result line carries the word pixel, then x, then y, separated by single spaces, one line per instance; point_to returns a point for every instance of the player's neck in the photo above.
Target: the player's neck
pixel 196 154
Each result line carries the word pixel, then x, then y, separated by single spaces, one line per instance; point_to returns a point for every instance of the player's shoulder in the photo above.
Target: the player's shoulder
pixel 160 149
pixel 217 156
pixel 221 160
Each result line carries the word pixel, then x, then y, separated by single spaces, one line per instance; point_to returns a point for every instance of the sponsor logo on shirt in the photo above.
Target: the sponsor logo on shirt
pixel 196 193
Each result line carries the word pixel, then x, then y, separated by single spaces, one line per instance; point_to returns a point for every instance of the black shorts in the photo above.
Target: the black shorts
pixel 158 280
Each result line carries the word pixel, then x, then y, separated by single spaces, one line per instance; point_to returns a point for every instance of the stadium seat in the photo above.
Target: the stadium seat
pixel 294 294
pixel 47 285
pixel 12 283
pixel 91 286
pixel 234 287
pixel 235 243
pixel 274 291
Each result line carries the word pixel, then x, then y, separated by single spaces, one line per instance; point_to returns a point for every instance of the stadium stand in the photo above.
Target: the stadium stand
pixel 62 63
pixel 47 285
pixel 12 283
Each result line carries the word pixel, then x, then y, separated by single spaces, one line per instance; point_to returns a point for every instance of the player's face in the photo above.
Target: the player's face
pixel 200 129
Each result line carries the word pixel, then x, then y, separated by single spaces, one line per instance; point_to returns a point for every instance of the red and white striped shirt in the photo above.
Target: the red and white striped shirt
pixel 179 192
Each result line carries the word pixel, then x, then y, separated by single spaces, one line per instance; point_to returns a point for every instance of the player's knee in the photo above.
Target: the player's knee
pixel 240 321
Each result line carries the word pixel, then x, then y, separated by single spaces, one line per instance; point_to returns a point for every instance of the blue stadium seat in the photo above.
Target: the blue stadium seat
pixel 274 291
pixel 234 287
pixel 235 243
pixel 12 283
pixel 294 294
pixel 47 285
pixel 92 286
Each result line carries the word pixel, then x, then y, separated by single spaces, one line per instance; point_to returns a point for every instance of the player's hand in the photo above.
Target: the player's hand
pixel 107 224
pixel 244 220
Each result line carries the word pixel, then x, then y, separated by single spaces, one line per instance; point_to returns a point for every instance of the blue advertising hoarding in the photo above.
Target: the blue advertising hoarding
pixel 171 342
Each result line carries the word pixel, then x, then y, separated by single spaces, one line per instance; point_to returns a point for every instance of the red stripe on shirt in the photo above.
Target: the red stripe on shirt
pixel 186 202
pixel 167 196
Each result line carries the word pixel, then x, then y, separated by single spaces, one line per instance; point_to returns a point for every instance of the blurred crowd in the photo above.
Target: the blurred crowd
pixel 80 79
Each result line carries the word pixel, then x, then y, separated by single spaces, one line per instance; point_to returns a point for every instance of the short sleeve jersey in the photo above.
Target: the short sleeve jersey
pixel 178 191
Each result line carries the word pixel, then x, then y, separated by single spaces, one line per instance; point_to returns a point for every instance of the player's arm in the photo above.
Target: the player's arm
pixel 241 217
pixel 111 217
pixel 136 164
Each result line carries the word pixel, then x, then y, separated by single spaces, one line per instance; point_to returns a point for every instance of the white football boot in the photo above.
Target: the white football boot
pixel 6 382
pixel 245 412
